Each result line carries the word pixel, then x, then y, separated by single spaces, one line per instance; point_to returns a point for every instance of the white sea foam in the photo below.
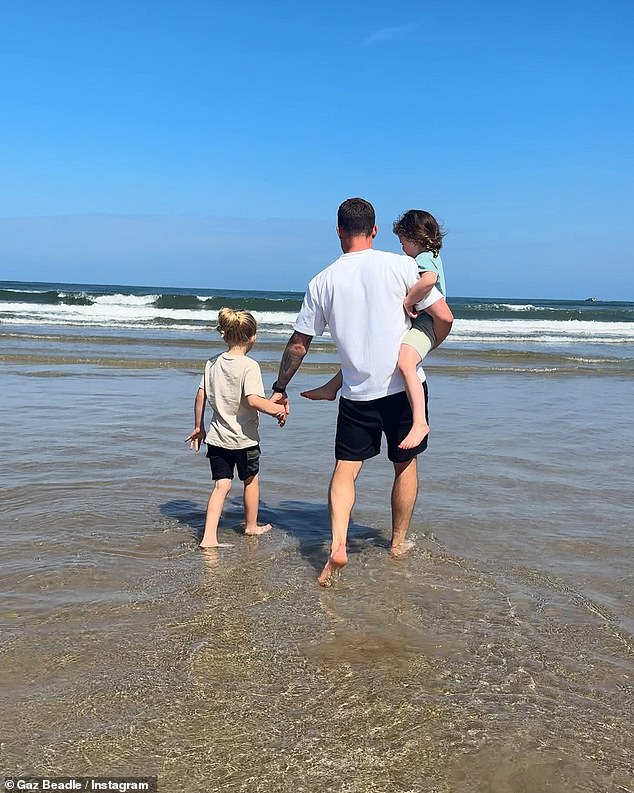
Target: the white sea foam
pixel 131 311
pixel 523 330
pixel 514 307
pixel 124 311
pixel 24 291
pixel 125 300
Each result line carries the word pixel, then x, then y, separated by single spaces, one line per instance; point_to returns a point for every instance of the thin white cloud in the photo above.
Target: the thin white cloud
pixel 386 34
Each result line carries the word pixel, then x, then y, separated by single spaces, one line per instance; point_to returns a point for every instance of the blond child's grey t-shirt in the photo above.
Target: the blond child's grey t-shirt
pixel 227 382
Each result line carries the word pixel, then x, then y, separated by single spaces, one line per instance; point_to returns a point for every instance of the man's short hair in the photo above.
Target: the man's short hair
pixel 356 217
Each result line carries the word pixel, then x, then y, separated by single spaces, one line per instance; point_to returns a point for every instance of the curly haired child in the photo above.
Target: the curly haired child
pixel 421 237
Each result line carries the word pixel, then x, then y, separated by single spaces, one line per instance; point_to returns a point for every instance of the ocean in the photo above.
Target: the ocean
pixel 497 657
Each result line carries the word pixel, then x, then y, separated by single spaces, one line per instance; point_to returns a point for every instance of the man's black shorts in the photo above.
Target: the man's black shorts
pixel 361 424
pixel 223 462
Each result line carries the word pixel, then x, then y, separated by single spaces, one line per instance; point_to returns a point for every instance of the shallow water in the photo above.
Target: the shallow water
pixel 497 656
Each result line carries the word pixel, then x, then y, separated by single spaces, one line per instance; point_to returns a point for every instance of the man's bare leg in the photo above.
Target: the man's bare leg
pixel 408 360
pixel 327 391
pixel 341 495
pixel 404 492
pixel 214 511
pixel 251 500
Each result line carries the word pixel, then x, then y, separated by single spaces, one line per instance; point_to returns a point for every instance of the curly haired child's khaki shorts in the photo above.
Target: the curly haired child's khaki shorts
pixel 421 335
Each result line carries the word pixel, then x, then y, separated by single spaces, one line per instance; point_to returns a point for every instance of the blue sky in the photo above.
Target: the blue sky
pixel 209 145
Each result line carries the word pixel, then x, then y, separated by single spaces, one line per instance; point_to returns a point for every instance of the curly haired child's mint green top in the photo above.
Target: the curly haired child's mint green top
pixel 427 261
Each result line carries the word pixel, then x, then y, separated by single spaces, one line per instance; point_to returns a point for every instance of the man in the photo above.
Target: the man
pixel 360 298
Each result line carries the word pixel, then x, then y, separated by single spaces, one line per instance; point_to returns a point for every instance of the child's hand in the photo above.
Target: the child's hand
pixel 281 400
pixel 282 403
pixel 409 308
pixel 281 418
pixel 197 436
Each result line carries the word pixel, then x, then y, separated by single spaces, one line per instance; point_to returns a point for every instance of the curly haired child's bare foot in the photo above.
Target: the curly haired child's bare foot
pixel 253 530
pixel 337 559
pixel 415 436
pixel 322 392
pixel 402 548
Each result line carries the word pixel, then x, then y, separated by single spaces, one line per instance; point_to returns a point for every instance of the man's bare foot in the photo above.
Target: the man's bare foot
pixel 402 548
pixel 337 559
pixel 323 392
pixel 415 436
pixel 253 530
pixel 216 544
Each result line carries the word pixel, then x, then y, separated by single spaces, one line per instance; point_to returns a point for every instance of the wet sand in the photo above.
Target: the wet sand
pixel 497 656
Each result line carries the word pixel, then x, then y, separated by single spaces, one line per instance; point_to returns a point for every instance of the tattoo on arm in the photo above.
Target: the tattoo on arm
pixel 296 349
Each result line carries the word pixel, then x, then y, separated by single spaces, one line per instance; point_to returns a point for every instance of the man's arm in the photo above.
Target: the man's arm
pixel 419 291
pixel 296 348
pixel 442 318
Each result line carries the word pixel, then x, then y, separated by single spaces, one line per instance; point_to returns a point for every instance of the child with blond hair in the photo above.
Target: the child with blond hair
pixel 232 387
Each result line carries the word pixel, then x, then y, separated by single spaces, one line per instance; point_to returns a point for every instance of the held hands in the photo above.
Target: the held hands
pixel 197 437
pixel 278 411
pixel 285 408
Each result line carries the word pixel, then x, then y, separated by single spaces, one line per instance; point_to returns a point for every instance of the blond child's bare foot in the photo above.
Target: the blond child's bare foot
pixel 415 436
pixel 216 544
pixel 337 559
pixel 323 392
pixel 402 548
pixel 253 530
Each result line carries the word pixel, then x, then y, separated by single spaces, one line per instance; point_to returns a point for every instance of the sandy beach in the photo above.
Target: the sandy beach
pixel 326 169
pixel 497 656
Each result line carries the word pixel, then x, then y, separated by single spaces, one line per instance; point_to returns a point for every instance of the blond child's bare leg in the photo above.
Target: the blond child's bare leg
pixel 251 500
pixel 327 390
pixel 408 360
pixel 214 511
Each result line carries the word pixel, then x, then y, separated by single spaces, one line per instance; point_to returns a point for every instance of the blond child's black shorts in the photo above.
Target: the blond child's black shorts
pixel 224 461
pixel 360 426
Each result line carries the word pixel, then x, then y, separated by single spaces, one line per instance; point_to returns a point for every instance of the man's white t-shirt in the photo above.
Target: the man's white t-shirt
pixel 360 298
